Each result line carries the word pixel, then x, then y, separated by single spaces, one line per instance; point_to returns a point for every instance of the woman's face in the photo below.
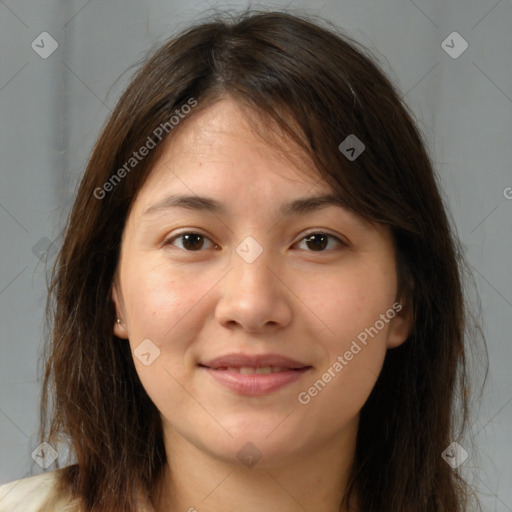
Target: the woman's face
pixel 310 293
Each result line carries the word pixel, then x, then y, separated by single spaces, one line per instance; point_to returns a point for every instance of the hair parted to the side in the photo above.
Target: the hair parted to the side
pixel 318 86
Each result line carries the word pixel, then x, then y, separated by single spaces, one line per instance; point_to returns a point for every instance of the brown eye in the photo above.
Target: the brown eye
pixel 191 242
pixel 317 242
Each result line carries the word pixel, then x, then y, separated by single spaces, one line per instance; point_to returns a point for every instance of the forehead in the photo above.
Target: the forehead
pixel 217 153
pixel 215 164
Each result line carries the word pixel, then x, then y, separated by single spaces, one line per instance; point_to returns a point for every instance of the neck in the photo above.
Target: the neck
pixel 195 481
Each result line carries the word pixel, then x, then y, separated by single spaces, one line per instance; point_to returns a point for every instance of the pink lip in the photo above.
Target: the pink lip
pixel 253 361
pixel 254 384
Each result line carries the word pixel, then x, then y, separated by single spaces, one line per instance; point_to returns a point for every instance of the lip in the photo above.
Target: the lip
pixel 253 361
pixel 221 369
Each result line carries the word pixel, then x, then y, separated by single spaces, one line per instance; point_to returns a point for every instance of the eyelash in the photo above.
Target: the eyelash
pixel 329 235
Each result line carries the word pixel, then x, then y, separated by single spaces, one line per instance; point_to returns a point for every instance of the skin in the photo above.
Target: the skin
pixel 294 299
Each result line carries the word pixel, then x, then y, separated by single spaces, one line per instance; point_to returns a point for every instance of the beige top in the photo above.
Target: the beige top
pixel 34 494
pixel 38 494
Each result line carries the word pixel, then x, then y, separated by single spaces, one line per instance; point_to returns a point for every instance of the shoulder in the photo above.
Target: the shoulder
pixel 34 494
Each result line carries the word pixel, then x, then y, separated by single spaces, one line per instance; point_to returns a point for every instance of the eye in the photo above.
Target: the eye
pixel 319 240
pixel 192 242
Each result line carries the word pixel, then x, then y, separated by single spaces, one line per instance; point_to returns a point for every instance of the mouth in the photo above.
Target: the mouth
pixel 254 375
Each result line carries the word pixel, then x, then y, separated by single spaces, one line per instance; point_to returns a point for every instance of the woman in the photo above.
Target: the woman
pixel 258 302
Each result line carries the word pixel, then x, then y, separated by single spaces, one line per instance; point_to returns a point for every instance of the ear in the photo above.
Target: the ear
pixel 119 327
pixel 400 325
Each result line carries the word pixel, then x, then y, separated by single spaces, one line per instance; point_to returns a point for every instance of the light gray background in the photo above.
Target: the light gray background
pixel 52 110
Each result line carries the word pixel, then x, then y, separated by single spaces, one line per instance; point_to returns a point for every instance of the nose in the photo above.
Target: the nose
pixel 255 294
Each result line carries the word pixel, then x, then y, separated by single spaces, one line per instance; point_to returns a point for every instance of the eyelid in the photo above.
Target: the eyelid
pixel 343 241
pixel 189 231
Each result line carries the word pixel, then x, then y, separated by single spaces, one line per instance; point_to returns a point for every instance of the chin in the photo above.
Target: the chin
pixel 255 448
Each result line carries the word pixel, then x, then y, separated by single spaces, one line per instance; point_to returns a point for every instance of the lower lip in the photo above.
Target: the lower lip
pixel 255 384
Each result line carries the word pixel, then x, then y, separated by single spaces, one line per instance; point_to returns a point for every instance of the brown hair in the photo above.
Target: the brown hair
pixel 281 67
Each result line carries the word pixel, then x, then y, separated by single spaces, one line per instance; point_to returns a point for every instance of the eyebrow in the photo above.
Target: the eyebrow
pixel 301 205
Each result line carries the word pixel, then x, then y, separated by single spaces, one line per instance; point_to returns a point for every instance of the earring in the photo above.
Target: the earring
pixel 118 321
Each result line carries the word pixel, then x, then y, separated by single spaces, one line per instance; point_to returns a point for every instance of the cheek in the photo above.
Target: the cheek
pixel 167 309
pixel 354 344
pixel 350 302
pixel 157 302
pixel 159 306
pixel 353 360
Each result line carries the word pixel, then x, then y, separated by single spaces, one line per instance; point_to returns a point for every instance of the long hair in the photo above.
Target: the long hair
pixel 318 87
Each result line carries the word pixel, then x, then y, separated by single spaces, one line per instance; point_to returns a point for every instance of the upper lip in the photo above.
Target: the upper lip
pixel 253 361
